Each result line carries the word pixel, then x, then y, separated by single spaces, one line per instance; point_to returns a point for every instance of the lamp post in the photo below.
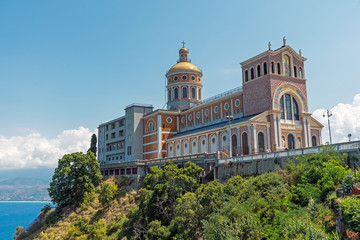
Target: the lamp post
pixel 328 114
pixel 230 118
pixel 349 136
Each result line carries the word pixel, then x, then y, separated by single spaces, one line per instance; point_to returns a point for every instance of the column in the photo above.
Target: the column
pixel 305 133
pixel 268 137
pixel 238 140
pixel 255 138
pixel 159 135
pixel 276 131
pixel 308 129
pixel 249 139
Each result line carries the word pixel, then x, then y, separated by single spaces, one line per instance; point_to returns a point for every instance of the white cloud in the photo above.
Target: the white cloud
pixel 33 150
pixel 345 119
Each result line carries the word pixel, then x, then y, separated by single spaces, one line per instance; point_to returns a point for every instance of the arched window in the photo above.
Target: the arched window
pixel 291 141
pixel 234 145
pixel 289 107
pixel 181 57
pixel 261 142
pixel 185 92
pixel 169 94
pixel 199 95
pixel 278 68
pixel 258 71
pixel 300 72
pixel 176 93
pixel 313 140
pixel 246 75
pixel 245 145
pixel 295 72
pixel 193 93
pixel 150 127
pixel 252 73
pixel 265 68
pixel 272 67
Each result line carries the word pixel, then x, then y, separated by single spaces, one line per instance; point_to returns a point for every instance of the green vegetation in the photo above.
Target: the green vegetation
pixel 296 203
pixel 76 175
pixel 93 144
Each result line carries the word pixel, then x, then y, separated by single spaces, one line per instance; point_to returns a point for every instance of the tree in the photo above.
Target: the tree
pixel 19 230
pixel 93 143
pixel 76 174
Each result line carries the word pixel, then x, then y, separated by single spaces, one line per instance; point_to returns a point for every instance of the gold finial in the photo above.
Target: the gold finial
pixel 183 43
pixel 284 40
pixel 269 45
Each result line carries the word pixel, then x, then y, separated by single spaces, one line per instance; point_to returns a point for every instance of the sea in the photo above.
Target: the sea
pixel 14 214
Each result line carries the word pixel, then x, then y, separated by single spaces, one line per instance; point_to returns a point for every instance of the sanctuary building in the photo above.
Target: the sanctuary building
pixel 268 112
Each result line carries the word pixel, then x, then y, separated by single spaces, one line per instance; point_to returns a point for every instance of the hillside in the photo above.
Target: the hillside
pixel 296 203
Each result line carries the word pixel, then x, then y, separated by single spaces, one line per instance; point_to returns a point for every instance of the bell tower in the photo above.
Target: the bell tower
pixel 183 83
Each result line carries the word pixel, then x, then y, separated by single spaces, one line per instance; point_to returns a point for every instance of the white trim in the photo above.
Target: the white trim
pixel 145 144
pixel 151 152
pixel 150 134
pixel 168 132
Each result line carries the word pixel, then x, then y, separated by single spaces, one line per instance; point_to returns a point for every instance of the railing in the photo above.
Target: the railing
pixel 229 92
pixel 340 147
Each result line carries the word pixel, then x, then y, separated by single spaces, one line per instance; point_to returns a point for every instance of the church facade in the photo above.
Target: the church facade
pixel 269 112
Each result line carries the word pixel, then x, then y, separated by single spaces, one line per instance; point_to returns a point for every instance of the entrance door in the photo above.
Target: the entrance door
pixel 291 141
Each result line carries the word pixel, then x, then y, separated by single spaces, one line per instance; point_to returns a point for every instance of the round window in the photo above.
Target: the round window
pixel 206 112
pixel 193 78
pixel 175 78
pixel 170 148
pixel 169 120
pixel 237 102
pixel 169 80
pixel 226 106
pixel 216 109
pixel 213 140
pixel 184 77
pixel 190 117
pixel 224 138
pixel 182 119
pixel 199 79
pixel 194 143
pixel 198 114
pixel 185 145
pixel 178 146
pixel 203 142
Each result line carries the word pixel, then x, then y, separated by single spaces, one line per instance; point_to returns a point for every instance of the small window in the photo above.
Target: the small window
pixel 216 109
pixel 182 119
pixel 278 69
pixel 150 127
pixel 203 142
pixel 184 77
pixel 300 72
pixel 198 79
pixel 169 120
pixel 226 106
pixel 272 67
pixel 252 73
pixel 185 145
pixel 176 93
pixel 237 102
pixel 258 71
pixel 213 140
pixel 169 94
pixel 190 117
pixel 313 140
pixel 198 114
pixel 295 72
pixel 193 93
pixel 185 92
pixel 192 78
pixel 207 112
pixel 265 68
pixel 224 138
pixel 175 78
pixel 169 80
pixel 194 143
pixel 246 75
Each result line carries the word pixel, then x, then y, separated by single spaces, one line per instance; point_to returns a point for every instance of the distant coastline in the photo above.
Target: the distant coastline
pixel 26 201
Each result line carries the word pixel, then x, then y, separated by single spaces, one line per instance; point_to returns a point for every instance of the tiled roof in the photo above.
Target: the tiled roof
pixel 216 125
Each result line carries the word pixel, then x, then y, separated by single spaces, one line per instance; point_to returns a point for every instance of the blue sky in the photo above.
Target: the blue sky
pixel 70 64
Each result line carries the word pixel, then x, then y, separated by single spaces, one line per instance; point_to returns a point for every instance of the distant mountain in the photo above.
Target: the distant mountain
pixel 25 182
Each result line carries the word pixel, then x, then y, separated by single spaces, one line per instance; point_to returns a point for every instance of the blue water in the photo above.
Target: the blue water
pixel 13 214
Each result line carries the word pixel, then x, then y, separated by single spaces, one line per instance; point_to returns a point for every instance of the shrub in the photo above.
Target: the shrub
pixel 351 212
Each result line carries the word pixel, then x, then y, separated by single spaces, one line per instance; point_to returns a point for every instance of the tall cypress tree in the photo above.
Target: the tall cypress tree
pixel 93 147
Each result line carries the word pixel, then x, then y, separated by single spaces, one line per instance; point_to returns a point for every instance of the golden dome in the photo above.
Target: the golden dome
pixel 183 49
pixel 183 66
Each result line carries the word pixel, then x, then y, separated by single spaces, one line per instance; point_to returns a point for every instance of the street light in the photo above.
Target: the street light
pixel 230 118
pixel 328 114
pixel 349 136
